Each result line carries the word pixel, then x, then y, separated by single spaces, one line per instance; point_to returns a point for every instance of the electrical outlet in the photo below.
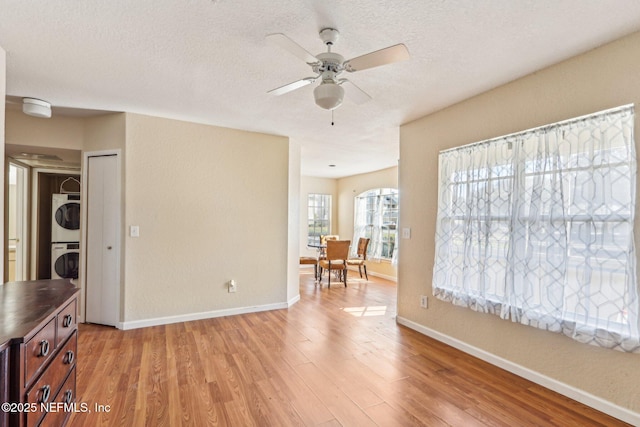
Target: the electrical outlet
pixel 233 287
pixel 424 301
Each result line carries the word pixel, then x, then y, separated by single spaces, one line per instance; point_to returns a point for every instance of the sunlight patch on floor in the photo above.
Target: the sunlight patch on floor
pixel 380 310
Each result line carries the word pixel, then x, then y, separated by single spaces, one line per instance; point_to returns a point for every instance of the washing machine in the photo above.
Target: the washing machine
pixel 65 259
pixel 65 218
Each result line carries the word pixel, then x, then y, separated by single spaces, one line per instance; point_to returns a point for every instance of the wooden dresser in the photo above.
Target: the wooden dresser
pixel 38 344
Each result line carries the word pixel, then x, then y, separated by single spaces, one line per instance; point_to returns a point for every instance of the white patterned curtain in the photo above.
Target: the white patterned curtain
pixel 537 227
pixel 376 222
pixel 376 217
pixel 359 224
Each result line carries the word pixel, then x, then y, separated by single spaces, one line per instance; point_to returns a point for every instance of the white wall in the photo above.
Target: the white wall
pixel 212 205
pixel 603 78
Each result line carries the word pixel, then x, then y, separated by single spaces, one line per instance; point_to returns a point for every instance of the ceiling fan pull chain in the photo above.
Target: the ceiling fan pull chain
pixel 332 117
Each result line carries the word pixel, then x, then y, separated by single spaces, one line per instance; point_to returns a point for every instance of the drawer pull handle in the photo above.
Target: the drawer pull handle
pixel 44 348
pixel 68 396
pixel 70 357
pixel 46 393
pixel 67 321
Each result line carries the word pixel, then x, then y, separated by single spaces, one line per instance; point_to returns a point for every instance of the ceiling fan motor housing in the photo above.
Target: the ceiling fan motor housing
pixel 330 66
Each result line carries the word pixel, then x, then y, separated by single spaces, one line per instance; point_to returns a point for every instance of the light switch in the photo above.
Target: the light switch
pixel 134 231
pixel 406 233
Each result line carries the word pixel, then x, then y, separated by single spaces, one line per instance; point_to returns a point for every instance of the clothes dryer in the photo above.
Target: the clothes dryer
pixel 65 259
pixel 65 218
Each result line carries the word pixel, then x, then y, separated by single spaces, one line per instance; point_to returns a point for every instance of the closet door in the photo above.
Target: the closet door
pixel 103 241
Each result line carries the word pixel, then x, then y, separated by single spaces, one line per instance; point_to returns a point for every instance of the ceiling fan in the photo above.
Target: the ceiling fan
pixel 329 65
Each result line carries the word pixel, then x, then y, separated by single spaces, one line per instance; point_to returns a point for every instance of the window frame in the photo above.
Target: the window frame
pixel 318 217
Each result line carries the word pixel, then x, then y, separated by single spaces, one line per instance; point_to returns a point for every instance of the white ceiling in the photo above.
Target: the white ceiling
pixel 208 61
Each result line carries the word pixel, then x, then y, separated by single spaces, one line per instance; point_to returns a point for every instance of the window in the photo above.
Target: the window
pixel 376 217
pixel 537 227
pixel 318 217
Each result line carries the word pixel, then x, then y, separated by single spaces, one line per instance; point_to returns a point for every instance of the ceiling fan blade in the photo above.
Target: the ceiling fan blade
pixel 292 47
pixel 384 56
pixel 354 93
pixel 292 86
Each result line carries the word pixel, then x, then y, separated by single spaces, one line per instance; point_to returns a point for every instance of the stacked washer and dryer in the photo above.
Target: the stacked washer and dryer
pixel 65 235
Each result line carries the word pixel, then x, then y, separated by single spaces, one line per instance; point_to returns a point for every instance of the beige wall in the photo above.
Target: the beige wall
pixel 209 210
pixel 3 90
pixel 604 78
pixel 350 187
pixel 105 132
pixel 56 132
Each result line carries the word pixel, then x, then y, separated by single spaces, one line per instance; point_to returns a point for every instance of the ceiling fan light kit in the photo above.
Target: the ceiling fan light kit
pixel 328 96
pixel 36 107
pixel 328 65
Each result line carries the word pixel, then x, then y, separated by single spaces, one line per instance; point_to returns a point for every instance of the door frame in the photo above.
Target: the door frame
pixel 35 239
pixel 23 211
pixel 84 227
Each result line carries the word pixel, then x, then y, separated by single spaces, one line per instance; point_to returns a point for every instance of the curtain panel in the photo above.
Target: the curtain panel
pixel 537 227
pixel 376 217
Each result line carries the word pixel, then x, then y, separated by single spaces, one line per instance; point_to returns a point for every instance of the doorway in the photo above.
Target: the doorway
pixel 17 260
pixel 48 182
pixel 32 175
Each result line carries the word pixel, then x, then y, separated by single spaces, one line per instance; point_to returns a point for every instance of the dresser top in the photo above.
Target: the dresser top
pixel 24 306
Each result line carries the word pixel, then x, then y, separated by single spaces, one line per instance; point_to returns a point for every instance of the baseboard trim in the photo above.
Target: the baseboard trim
pixel 574 393
pixel 135 324
pixel 293 300
pixel 383 276
pixel 374 274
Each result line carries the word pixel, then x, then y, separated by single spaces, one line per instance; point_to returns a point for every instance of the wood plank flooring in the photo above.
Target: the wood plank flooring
pixel 336 358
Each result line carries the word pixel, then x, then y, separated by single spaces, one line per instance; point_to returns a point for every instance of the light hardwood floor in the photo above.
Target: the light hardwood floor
pixel 336 358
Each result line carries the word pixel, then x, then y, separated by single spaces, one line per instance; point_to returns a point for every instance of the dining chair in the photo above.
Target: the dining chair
pixel 323 242
pixel 363 244
pixel 309 260
pixel 324 238
pixel 336 259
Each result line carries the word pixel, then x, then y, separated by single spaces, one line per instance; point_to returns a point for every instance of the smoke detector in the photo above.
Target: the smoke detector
pixel 36 107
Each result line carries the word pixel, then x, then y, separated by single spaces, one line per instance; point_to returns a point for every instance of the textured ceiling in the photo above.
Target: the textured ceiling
pixel 208 61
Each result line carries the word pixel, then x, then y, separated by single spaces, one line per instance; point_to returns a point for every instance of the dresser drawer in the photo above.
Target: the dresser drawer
pixel 66 396
pixel 43 391
pixel 66 322
pixel 39 350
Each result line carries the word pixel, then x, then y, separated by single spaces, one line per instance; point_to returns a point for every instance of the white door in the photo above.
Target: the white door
pixel 103 241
